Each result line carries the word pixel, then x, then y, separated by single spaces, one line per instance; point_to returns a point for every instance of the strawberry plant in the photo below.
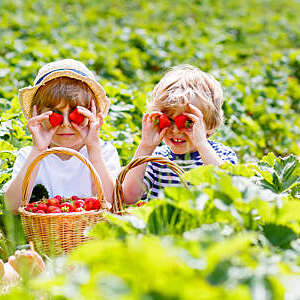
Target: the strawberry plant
pixel 235 233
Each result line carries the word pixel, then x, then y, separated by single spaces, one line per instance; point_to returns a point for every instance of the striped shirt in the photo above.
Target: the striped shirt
pixel 158 176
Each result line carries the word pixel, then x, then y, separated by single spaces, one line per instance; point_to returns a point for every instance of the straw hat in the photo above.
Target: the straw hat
pixel 63 68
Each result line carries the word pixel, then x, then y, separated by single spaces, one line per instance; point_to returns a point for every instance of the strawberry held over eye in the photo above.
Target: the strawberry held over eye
pixel 163 121
pixel 76 117
pixel 56 118
pixel 182 121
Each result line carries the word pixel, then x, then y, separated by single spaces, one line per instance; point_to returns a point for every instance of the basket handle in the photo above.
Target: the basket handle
pixel 62 150
pixel 118 197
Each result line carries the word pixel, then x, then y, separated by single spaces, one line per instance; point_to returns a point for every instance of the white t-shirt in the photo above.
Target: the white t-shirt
pixel 67 177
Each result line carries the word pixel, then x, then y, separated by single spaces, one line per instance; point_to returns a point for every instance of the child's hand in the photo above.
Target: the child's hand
pixel 41 135
pixel 91 129
pixel 152 135
pixel 197 132
pixel 27 263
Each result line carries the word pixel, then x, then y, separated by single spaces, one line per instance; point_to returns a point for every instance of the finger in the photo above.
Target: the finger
pixel 145 118
pixel 87 113
pixel 154 116
pixel 100 119
pixel 34 113
pixel 77 127
pixel 52 130
pixel 41 117
pixel 195 110
pixel 193 117
pixel 11 260
pixel 93 107
pixel 163 133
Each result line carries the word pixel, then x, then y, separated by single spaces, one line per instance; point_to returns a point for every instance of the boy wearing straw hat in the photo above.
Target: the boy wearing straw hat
pixel 186 109
pixel 65 108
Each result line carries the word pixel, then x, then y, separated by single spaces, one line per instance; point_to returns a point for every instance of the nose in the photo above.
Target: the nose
pixel 174 128
pixel 66 121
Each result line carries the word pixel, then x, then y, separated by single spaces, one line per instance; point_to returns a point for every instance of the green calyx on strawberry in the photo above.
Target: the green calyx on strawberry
pixel 182 121
pixel 56 118
pixel 163 121
pixel 67 207
pixel 76 117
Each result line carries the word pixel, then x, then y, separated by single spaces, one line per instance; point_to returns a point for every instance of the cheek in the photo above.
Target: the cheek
pixel 83 132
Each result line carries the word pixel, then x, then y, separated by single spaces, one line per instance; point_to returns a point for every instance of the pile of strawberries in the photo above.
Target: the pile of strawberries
pixel 59 204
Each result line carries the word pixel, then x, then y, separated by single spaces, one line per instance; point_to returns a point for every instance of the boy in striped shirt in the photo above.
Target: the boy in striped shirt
pixel 186 109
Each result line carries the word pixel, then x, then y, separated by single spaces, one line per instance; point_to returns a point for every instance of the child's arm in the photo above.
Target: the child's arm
pixel 41 137
pixel 133 185
pixel 197 135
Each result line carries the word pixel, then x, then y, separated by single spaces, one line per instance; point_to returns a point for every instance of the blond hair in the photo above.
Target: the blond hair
pixel 186 84
pixel 63 91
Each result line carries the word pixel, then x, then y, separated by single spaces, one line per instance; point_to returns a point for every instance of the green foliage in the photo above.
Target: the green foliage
pixel 234 234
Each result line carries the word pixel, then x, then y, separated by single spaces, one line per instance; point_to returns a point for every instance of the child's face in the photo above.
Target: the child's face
pixel 177 140
pixel 66 135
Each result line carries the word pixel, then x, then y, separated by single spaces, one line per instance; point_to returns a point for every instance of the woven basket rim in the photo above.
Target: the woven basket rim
pixel 75 213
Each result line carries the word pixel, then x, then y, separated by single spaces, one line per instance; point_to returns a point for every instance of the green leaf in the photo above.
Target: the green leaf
pixel 227 249
pixel 203 174
pixel 270 159
pixel 239 169
pixel 279 235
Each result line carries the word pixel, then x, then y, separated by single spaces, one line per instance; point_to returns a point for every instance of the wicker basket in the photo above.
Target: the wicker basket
pixel 118 197
pixel 55 234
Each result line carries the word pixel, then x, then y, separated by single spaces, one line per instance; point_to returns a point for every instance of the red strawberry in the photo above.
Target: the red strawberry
pixel 67 207
pixel 182 122
pixel 53 210
pixel 76 117
pixel 75 198
pixel 91 204
pixel 163 121
pixel 141 203
pixel 31 207
pixel 79 203
pixel 53 202
pixel 42 206
pixel 58 197
pixel 40 212
pixel 56 118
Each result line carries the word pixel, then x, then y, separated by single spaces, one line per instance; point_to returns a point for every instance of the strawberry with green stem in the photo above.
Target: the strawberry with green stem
pixel 56 118
pixel 76 117
pixel 163 121
pixel 182 121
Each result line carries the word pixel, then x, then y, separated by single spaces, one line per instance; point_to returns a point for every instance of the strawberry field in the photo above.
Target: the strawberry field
pixel 235 233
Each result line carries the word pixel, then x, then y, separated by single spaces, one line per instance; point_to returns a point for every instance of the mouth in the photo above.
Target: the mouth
pixel 65 134
pixel 177 141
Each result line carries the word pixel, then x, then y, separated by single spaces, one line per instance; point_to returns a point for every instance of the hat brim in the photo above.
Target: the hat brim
pixel 27 94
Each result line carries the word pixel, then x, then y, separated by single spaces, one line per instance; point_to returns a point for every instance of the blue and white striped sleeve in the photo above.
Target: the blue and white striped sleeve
pixel 229 155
